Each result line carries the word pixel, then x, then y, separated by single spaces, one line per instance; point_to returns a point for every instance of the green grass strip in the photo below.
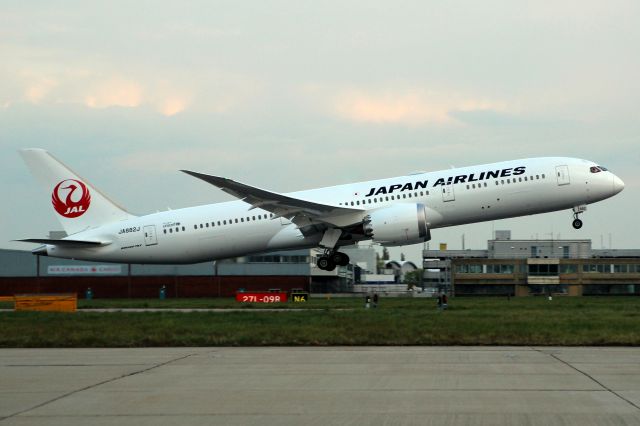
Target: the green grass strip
pixel 468 321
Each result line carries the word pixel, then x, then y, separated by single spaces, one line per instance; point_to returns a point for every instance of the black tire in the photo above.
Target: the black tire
pixel 331 266
pixel 323 263
pixel 577 223
pixel 340 259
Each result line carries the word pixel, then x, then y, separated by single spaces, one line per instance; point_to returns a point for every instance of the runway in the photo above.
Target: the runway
pixel 321 386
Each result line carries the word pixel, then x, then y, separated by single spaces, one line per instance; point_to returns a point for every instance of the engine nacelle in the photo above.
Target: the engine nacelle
pixel 398 225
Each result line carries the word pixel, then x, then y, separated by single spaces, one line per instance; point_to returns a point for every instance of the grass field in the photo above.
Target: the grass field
pixel 397 321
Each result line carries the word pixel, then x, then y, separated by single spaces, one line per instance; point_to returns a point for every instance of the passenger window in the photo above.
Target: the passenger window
pixel 171 230
pixel 485 184
pixel 201 226
pixel 236 220
pixel 352 203
pixel 207 224
pixel 497 183
pixel 409 195
pixel 537 176
pixel 218 223
pixel 520 179
pixel 195 226
pixel 183 228
pixel 177 229
pixel 369 200
pixel 387 198
pixel 543 176
pixel 165 231
pixel 358 202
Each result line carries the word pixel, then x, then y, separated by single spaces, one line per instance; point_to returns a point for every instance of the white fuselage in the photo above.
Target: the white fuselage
pixel 452 197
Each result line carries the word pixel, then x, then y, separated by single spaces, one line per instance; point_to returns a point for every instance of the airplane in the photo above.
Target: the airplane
pixel 392 212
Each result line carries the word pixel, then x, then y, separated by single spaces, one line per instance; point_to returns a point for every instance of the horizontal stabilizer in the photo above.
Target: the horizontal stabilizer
pixel 66 243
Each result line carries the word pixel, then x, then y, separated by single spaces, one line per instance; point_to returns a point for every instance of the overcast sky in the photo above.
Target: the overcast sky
pixel 296 95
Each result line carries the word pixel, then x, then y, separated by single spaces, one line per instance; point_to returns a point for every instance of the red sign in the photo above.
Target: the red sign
pixel 76 201
pixel 259 297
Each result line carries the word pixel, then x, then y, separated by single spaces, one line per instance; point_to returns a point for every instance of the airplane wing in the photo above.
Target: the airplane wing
pixel 299 211
pixel 66 243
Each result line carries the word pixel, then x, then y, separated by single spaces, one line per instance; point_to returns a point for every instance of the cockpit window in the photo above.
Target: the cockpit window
pixel 594 169
pixel 604 169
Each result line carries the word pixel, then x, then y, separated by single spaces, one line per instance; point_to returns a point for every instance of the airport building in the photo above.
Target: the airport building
pixel 22 272
pixel 505 267
pixel 533 267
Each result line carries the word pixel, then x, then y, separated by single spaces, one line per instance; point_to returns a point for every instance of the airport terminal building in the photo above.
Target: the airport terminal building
pixel 533 267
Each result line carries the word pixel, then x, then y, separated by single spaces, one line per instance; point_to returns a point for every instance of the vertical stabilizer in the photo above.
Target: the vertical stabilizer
pixel 74 201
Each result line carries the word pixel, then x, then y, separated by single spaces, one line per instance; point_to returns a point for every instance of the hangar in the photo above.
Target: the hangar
pixel 22 272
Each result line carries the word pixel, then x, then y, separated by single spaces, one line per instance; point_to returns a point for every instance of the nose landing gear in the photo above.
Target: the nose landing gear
pixel 577 223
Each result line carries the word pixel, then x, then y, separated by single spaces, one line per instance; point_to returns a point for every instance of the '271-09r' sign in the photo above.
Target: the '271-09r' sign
pixel 256 297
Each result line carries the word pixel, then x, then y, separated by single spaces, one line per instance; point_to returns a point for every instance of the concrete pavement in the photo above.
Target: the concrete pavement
pixel 321 386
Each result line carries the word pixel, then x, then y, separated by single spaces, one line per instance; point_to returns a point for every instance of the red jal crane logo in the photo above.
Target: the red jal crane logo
pixel 76 200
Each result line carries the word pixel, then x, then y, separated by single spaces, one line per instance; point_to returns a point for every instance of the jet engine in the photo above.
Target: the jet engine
pixel 398 225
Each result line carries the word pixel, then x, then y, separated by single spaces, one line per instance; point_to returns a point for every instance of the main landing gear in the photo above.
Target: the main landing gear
pixel 577 223
pixel 330 259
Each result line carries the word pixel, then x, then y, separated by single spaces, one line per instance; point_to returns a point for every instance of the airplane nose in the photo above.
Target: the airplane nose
pixel 618 184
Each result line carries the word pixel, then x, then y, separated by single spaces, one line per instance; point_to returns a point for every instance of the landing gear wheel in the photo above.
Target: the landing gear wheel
pixel 340 259
pixel 331 266
pixel 577 210
pixel 323 263
pixel 326 263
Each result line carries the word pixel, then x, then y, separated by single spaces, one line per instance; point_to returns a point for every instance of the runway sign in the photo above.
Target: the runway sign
pixel 261 297
pixel 299 297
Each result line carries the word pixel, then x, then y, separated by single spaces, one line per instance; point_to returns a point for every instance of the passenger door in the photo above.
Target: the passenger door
pixel 447 193
pixel 562 173
pixel 150 238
